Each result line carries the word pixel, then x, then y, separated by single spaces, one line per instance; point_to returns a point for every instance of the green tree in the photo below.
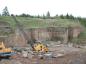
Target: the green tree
pixel 5 12
pixel 71 17
pixel 44 16
pixel 67 16
pixel 61 16
pixel 48 14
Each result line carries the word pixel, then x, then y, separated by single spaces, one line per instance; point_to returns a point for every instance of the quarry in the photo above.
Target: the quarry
pixel 55 39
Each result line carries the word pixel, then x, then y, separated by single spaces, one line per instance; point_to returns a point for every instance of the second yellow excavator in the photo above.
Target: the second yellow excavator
pixel 40 47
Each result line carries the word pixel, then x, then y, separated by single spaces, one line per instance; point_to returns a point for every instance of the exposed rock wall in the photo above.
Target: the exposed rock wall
pixel 42 34
pixel 54 33
pixel 73 32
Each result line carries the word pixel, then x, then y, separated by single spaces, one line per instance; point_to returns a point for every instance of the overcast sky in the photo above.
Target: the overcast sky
pixel 35 7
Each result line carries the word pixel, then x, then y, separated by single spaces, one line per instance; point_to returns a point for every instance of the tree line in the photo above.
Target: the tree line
pixel 5 12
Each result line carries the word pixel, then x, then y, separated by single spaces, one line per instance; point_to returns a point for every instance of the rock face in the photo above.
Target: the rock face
pixel 42 34
pixel 23 36
pixel 53 33
pixel 50 33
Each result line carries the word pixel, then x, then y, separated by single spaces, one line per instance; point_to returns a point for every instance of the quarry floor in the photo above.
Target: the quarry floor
pixel 70 55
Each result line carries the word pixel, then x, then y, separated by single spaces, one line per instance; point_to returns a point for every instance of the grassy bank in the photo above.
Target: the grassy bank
pixel 39 23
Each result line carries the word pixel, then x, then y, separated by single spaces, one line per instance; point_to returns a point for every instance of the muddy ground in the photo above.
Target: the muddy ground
pixel 70 55
pixel 73 58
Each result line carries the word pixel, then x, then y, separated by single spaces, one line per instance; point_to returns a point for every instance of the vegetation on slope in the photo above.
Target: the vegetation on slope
pixel 39 23
pixel 9 20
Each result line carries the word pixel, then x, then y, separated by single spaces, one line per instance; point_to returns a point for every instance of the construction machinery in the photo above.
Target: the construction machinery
pixel 5 52
pixel 40 47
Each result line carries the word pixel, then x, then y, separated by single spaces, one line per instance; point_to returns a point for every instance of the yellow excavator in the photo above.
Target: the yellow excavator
pixel 40 47
pixel 5 52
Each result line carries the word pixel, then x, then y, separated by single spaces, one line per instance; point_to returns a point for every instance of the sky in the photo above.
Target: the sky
pixel 40 7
